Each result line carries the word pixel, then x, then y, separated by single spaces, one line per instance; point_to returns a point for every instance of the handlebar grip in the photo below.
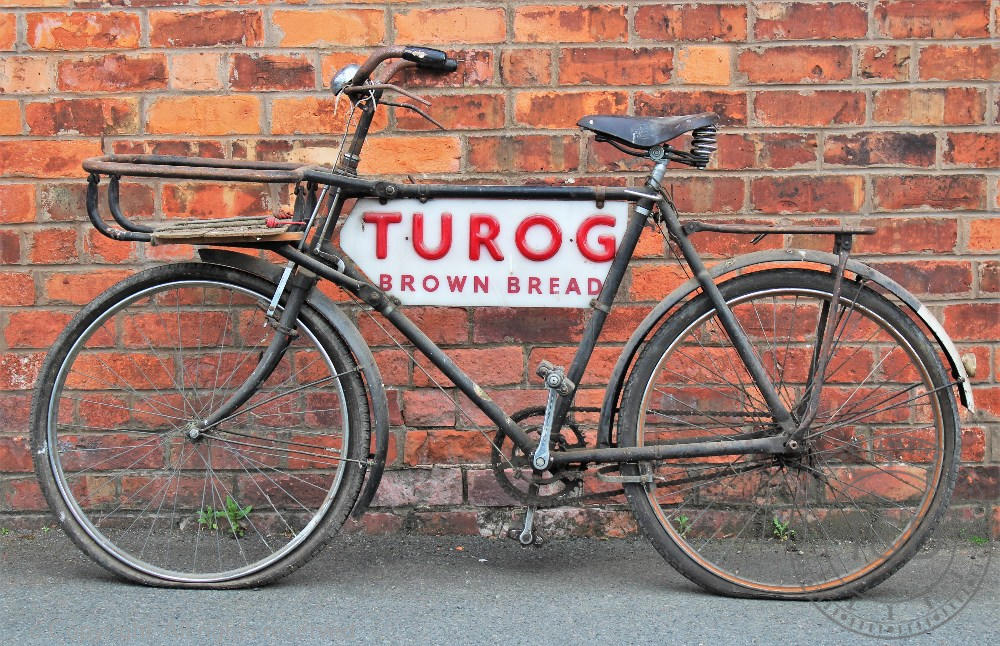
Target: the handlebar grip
pixel 428 58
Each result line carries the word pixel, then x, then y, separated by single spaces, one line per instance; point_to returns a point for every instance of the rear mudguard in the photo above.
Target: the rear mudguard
pixel 616 382
pixel 352 338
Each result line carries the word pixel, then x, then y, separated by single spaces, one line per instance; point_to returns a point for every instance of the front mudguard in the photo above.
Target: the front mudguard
pixel 349 334
pixel 616 382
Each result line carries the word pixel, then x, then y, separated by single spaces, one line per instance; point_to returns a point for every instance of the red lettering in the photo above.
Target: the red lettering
pixel 431 283
pixel 594 286
pixel 572 287
pixel 385 282
pixel 456 283
pixel 382 222
pixel 534 285
pixel 553 285
pixel 418 237
pixel 605 242
pixel 406 283
pixel 555 237
pixel 481 284
pixel 513 285
pixel 477 238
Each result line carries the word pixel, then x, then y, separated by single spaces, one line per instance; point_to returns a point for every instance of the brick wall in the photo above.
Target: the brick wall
pixel 886 112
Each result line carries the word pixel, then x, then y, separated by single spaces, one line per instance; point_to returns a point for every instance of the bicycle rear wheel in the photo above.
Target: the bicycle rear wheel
pixel 241 504
pixel 880 460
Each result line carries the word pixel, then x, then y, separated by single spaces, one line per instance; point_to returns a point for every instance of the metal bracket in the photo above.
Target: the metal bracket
pixel 603 475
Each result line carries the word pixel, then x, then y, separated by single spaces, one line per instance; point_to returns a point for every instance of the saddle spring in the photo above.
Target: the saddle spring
pixel 703 144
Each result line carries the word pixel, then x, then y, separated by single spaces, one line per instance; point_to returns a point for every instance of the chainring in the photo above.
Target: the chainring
pixel 513 470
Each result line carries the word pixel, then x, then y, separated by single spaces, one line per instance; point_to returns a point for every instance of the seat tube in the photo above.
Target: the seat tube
pixel 735 331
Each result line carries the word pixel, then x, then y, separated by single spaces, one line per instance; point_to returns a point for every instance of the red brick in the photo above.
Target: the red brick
pixel 420 487
pixel 730 106
pixel 444 325
pixel 314 115
pixel 15 455
pixel 564 109
pixel 570 23
pixel 45 158
pixel 25 75
pixel 810 108
pixel 446 447
pixel 810 21
pixel 881 149
pixel 80 288
pixel 17 203
pixel 796 64
pixel 948 106
pixel 10 248
pixel 61 202
pixel 496 366
pixel 950 193
pixel 36 329
pixel 204 200
pixel 977 483
pixel 339 27
pixel 671 23
pixel 525 153
pixel 933 18
pixel 786 150
pixel 103 249
pixel 205 28
pixel 798 194
pixel 485 491
pixel 906 235
pixel 527 325
pixel 654 282
pixel 984 234
pixel 475 68
pixel 19 371
pixel 451 25
pixel 458 112
pixel 708 194
pixel 525 67
pixel 54 246
pixel 197 71
pixel 978 150
pixel 112 73
pixel 398 155
pixel 83 116
pixel 10 118
pixel 21 494
pixel 989 276
pixel 75 31
pixel 427 407
pixel 960 63
pixel 930 277
pixel 441 523
pixel 19 289
pixel 885 63
pixel 204 115
pixel 8 31
pixel 973 445
pixel 257 72
pixel 615 66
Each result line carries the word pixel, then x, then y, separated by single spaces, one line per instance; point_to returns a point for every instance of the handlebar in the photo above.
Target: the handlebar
pixel 424 57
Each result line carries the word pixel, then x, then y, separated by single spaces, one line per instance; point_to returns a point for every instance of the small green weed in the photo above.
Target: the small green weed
pixel 233 513
pixel 978 540
pixel 782 531
pixel 4 531
pixel 683 524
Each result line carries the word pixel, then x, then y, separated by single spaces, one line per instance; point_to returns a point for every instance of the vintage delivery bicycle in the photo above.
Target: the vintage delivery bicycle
pixel 782 423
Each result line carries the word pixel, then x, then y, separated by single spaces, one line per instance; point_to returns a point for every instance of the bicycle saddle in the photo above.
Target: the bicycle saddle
pixel 645 132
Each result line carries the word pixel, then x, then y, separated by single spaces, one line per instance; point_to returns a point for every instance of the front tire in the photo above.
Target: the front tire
pixel 240 504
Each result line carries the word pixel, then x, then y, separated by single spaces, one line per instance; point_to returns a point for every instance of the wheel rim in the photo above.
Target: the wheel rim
pixel 233 502
pixel 813 523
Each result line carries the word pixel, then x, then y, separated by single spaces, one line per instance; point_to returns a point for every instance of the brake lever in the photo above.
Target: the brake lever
pixel 410 106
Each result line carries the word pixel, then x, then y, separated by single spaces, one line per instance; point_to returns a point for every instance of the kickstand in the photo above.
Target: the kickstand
pixel 526 535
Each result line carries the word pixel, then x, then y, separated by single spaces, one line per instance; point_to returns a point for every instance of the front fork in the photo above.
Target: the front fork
pixel 299 285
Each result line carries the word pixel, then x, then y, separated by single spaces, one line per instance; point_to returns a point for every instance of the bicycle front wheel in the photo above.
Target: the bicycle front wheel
pixel 240 504
pixel 880 456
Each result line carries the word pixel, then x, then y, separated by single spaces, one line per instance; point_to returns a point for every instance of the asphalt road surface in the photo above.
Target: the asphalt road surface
pixel 445 590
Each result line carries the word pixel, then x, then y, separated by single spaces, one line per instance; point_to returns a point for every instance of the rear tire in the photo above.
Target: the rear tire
pixel 242 504
pixel 881 458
